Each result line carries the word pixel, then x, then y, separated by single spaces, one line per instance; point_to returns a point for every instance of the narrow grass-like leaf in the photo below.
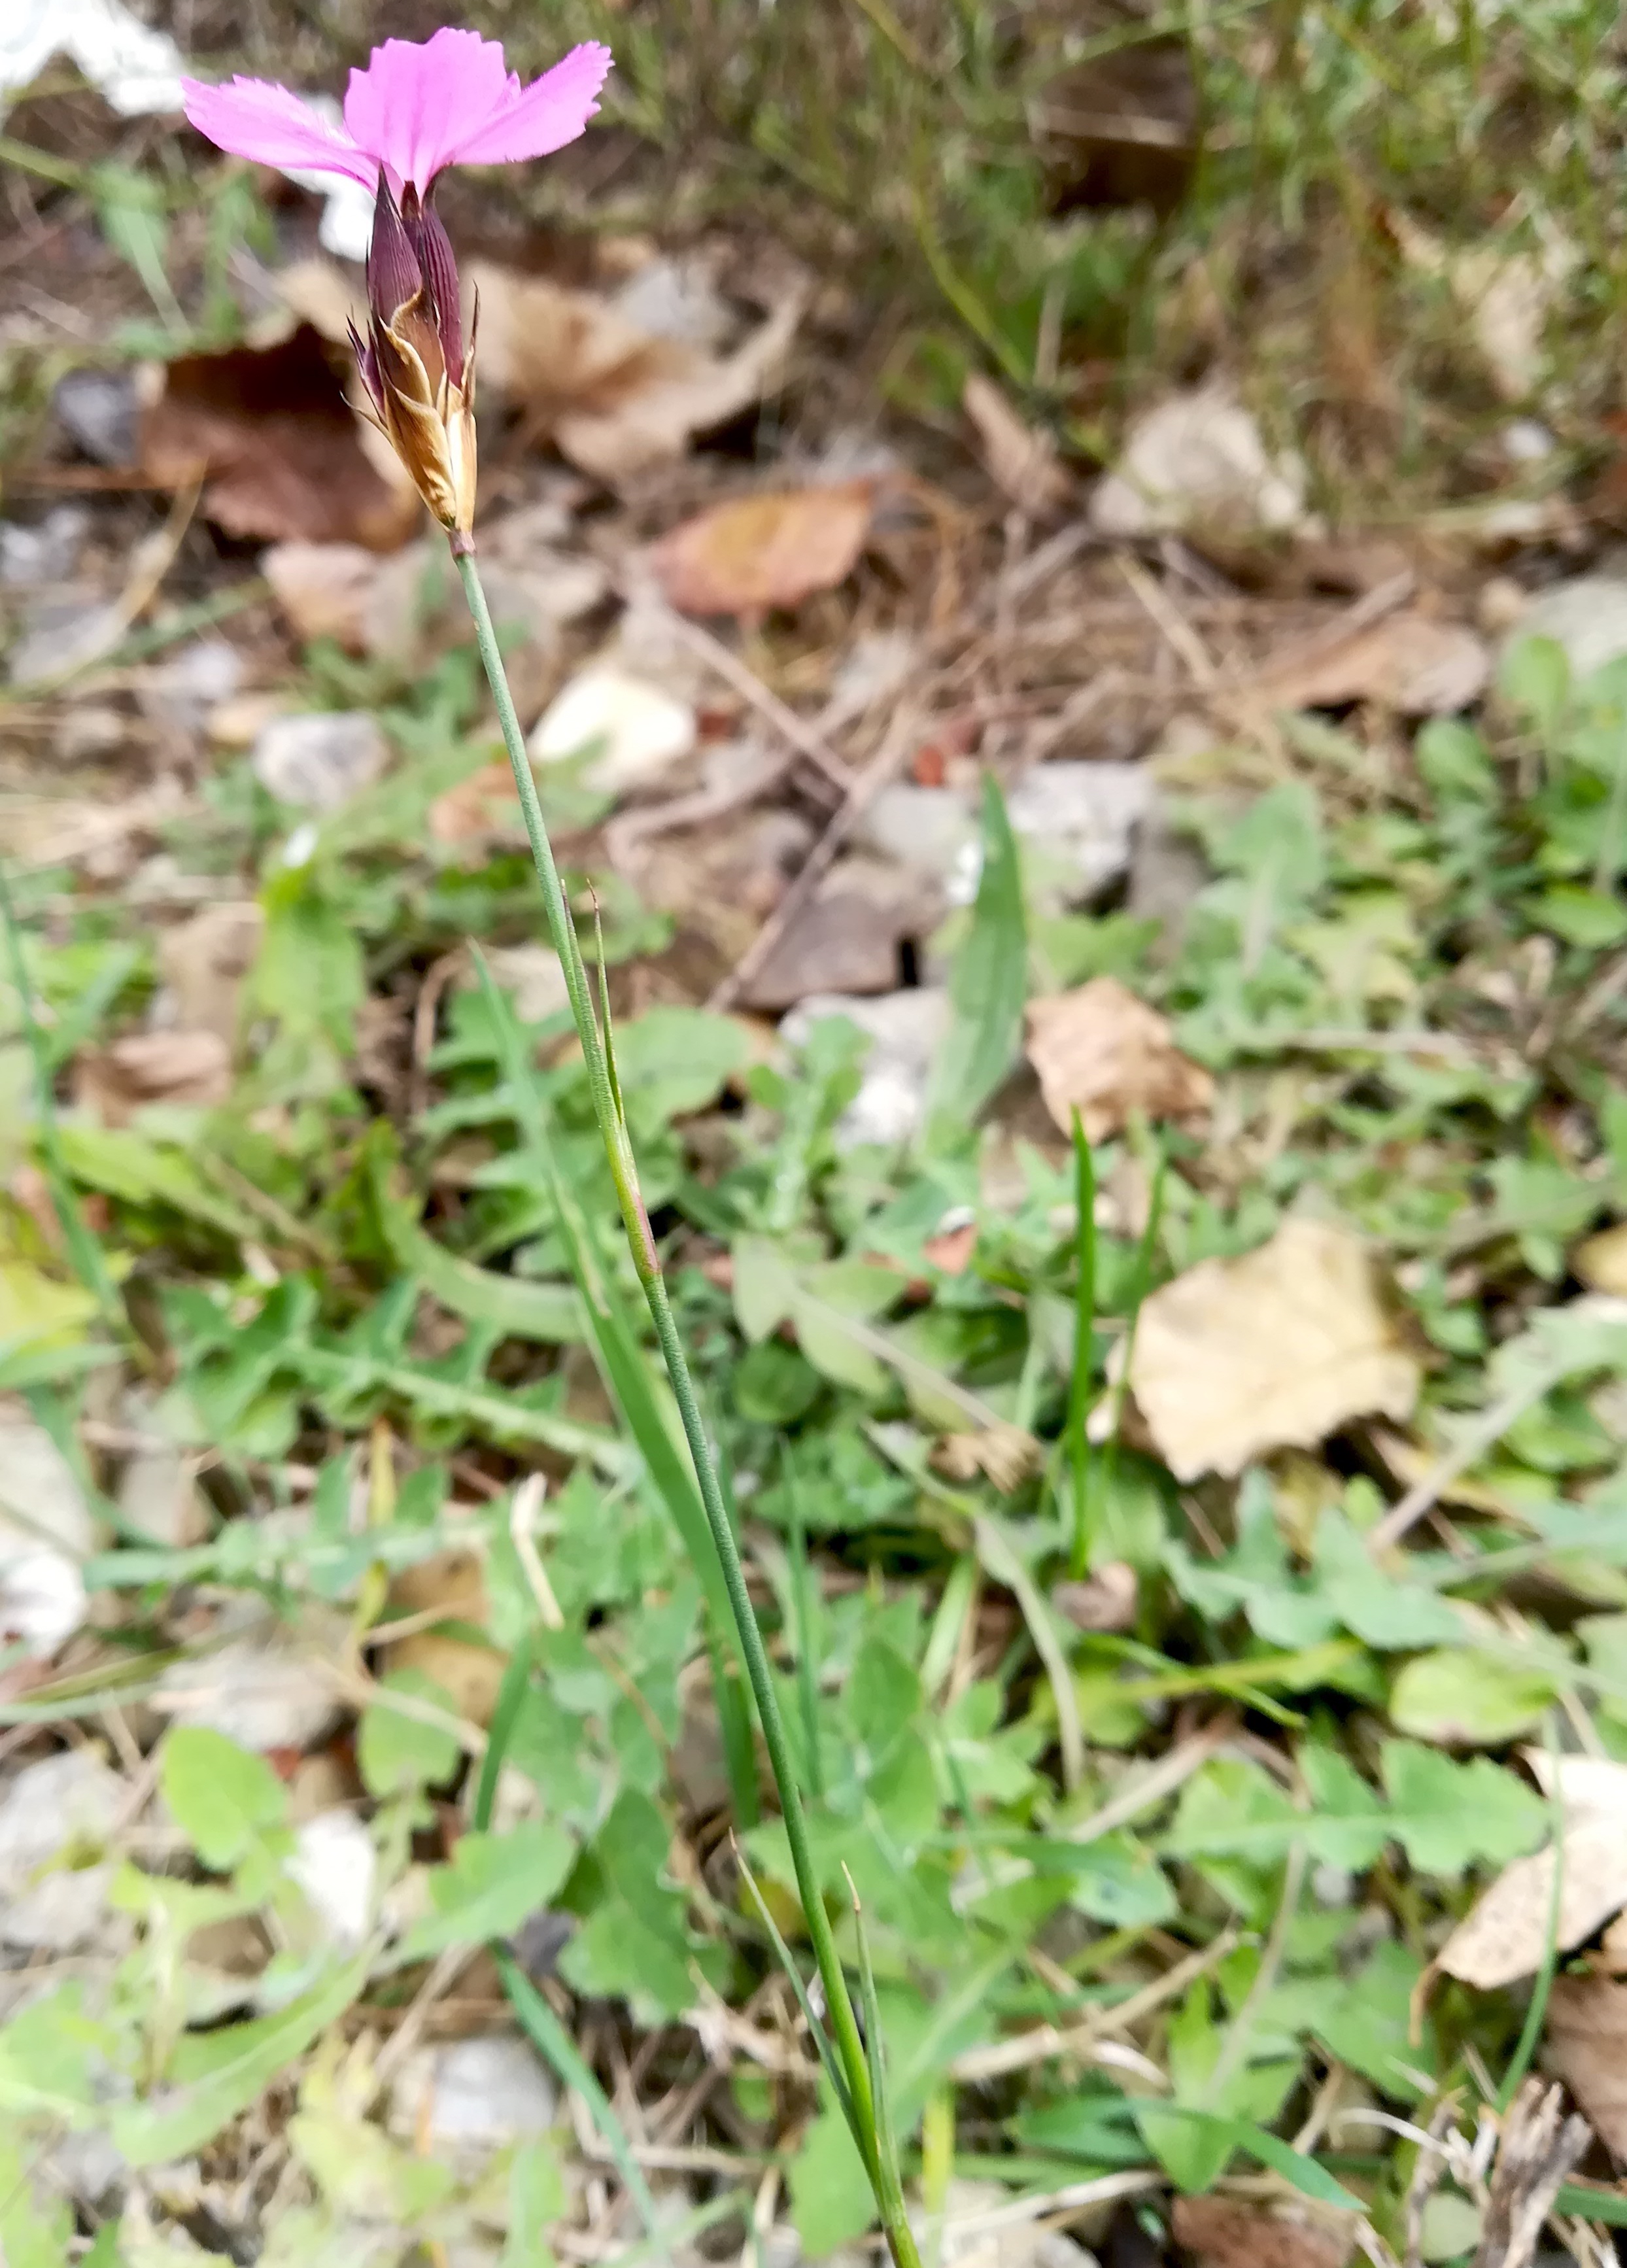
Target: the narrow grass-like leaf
pixel 988 986
pixel 1075 1434
pixel 888 2180
pixel 816 2031
pixel 802 1606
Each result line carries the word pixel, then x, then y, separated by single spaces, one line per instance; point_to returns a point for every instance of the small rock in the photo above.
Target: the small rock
pixel 932 830
pixel 906 1030
pixel 474 2096
pixel 157 1491
pixel 47 553
pixel 335 1863
pixel 1078 822
pixel 846 939
pixel 1198 462
pixel 99 410
pixel 1586 616
pixel 630 731
pixel 192 683
pixel 45 1532
pixel 319 761
pixel 264 1688
pixel 64 632
pixel 89 732
pixel 49 1812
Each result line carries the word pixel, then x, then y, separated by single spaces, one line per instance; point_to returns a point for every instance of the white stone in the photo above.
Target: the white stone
pixel 69 1800
pixel 1080 821
pixel 45 1532
pixel 1586 616
pixel 906 1031
pixel 319 761
pixel 335 1863
pixel 630 730
pixel 474 2095
pixel 1198 460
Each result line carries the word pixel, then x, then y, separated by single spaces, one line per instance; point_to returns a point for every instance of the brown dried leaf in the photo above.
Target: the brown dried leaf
pixel 1022 462
pixel 1105 1053
pixel 281 448
pixel 613 398
pixel 1105 1601
pixel 1273 1351
pixel 1003 1455
pixel 113 1083
pixel 484 808
pixel 1504 1934
pixel 764 551
pixel 1222 2234
pixel 204 962
pixel 1407 663
pixel 1587 2049
pixel 324 590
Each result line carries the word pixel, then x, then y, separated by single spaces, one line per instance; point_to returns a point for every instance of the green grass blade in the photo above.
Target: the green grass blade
pixel 988 986
pixel 1075 1431
pixel 816 2031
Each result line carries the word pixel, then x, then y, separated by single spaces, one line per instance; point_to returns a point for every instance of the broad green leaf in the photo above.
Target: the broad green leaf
pixel 765 1287
pixel 1346 1827
pixel 1468 1699
pixel 38 1313
pixel 395 1752
pixel 514 1305
pixel 215 2076
pixel 673 1060
pixel 227 1802
pixel 1448 1816
pixel 987 985
pixel 1535 675
pixel 830 2196
pixel 537 2199
pixel 53 2057
pixel 492 1884
pixel 1120 1884
pixel 1211 2142
pixel 1232 1808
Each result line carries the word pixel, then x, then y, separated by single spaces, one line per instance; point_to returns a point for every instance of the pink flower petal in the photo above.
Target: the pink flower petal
pixel 253 118
pixel 413 104
pixel 552 111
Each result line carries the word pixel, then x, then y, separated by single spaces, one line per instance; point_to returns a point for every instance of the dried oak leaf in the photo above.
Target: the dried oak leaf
pixel 764 551
pixel 282 452
pixel 1104 1053
pixel 1504 1934
pixel 1221 2234
pixel 613 397
pixel 1020 460
pixel 1409 663
pixel 1272 1350
pixel 1587 2049
pixel 114 1082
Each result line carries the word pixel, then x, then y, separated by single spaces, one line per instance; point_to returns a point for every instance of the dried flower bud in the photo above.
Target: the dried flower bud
pixel 420 381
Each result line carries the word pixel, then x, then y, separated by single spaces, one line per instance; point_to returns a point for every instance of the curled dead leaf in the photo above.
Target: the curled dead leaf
pixel 1003 1455
pixel 1272 1350
pixel 1587 2049
pixel 758 552
pixel 1409 663
pixel 1219 2233
pixel 1020 459
pixel 1504 1934
pixel 114 1082
pixel 1105 1601
pixel 612 396
pixel 279 447
pixel 1104 1053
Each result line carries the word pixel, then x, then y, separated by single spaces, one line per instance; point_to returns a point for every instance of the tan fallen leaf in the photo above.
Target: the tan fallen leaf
pixel 483 808
pixel 452 1583
pixel 1003 1455
pixel 613 397
pixel 1504 1934
pixel 1275 1350
pixel 1020 460
pixel 1407 663
pixel 1104 1053
pixel 1222 2235
pixel 1105 1601
pixel 1586 2047
pixel 1601 1262
pixel 204 961
pixel 324 590
pixel 764 551
pixel 114 1082
pixel 280 449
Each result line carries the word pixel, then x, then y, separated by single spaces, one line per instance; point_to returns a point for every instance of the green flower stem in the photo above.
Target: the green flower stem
pixel 850 2045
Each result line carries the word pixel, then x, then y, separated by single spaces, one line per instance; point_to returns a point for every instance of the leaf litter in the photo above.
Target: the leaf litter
pixel 1063 1483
